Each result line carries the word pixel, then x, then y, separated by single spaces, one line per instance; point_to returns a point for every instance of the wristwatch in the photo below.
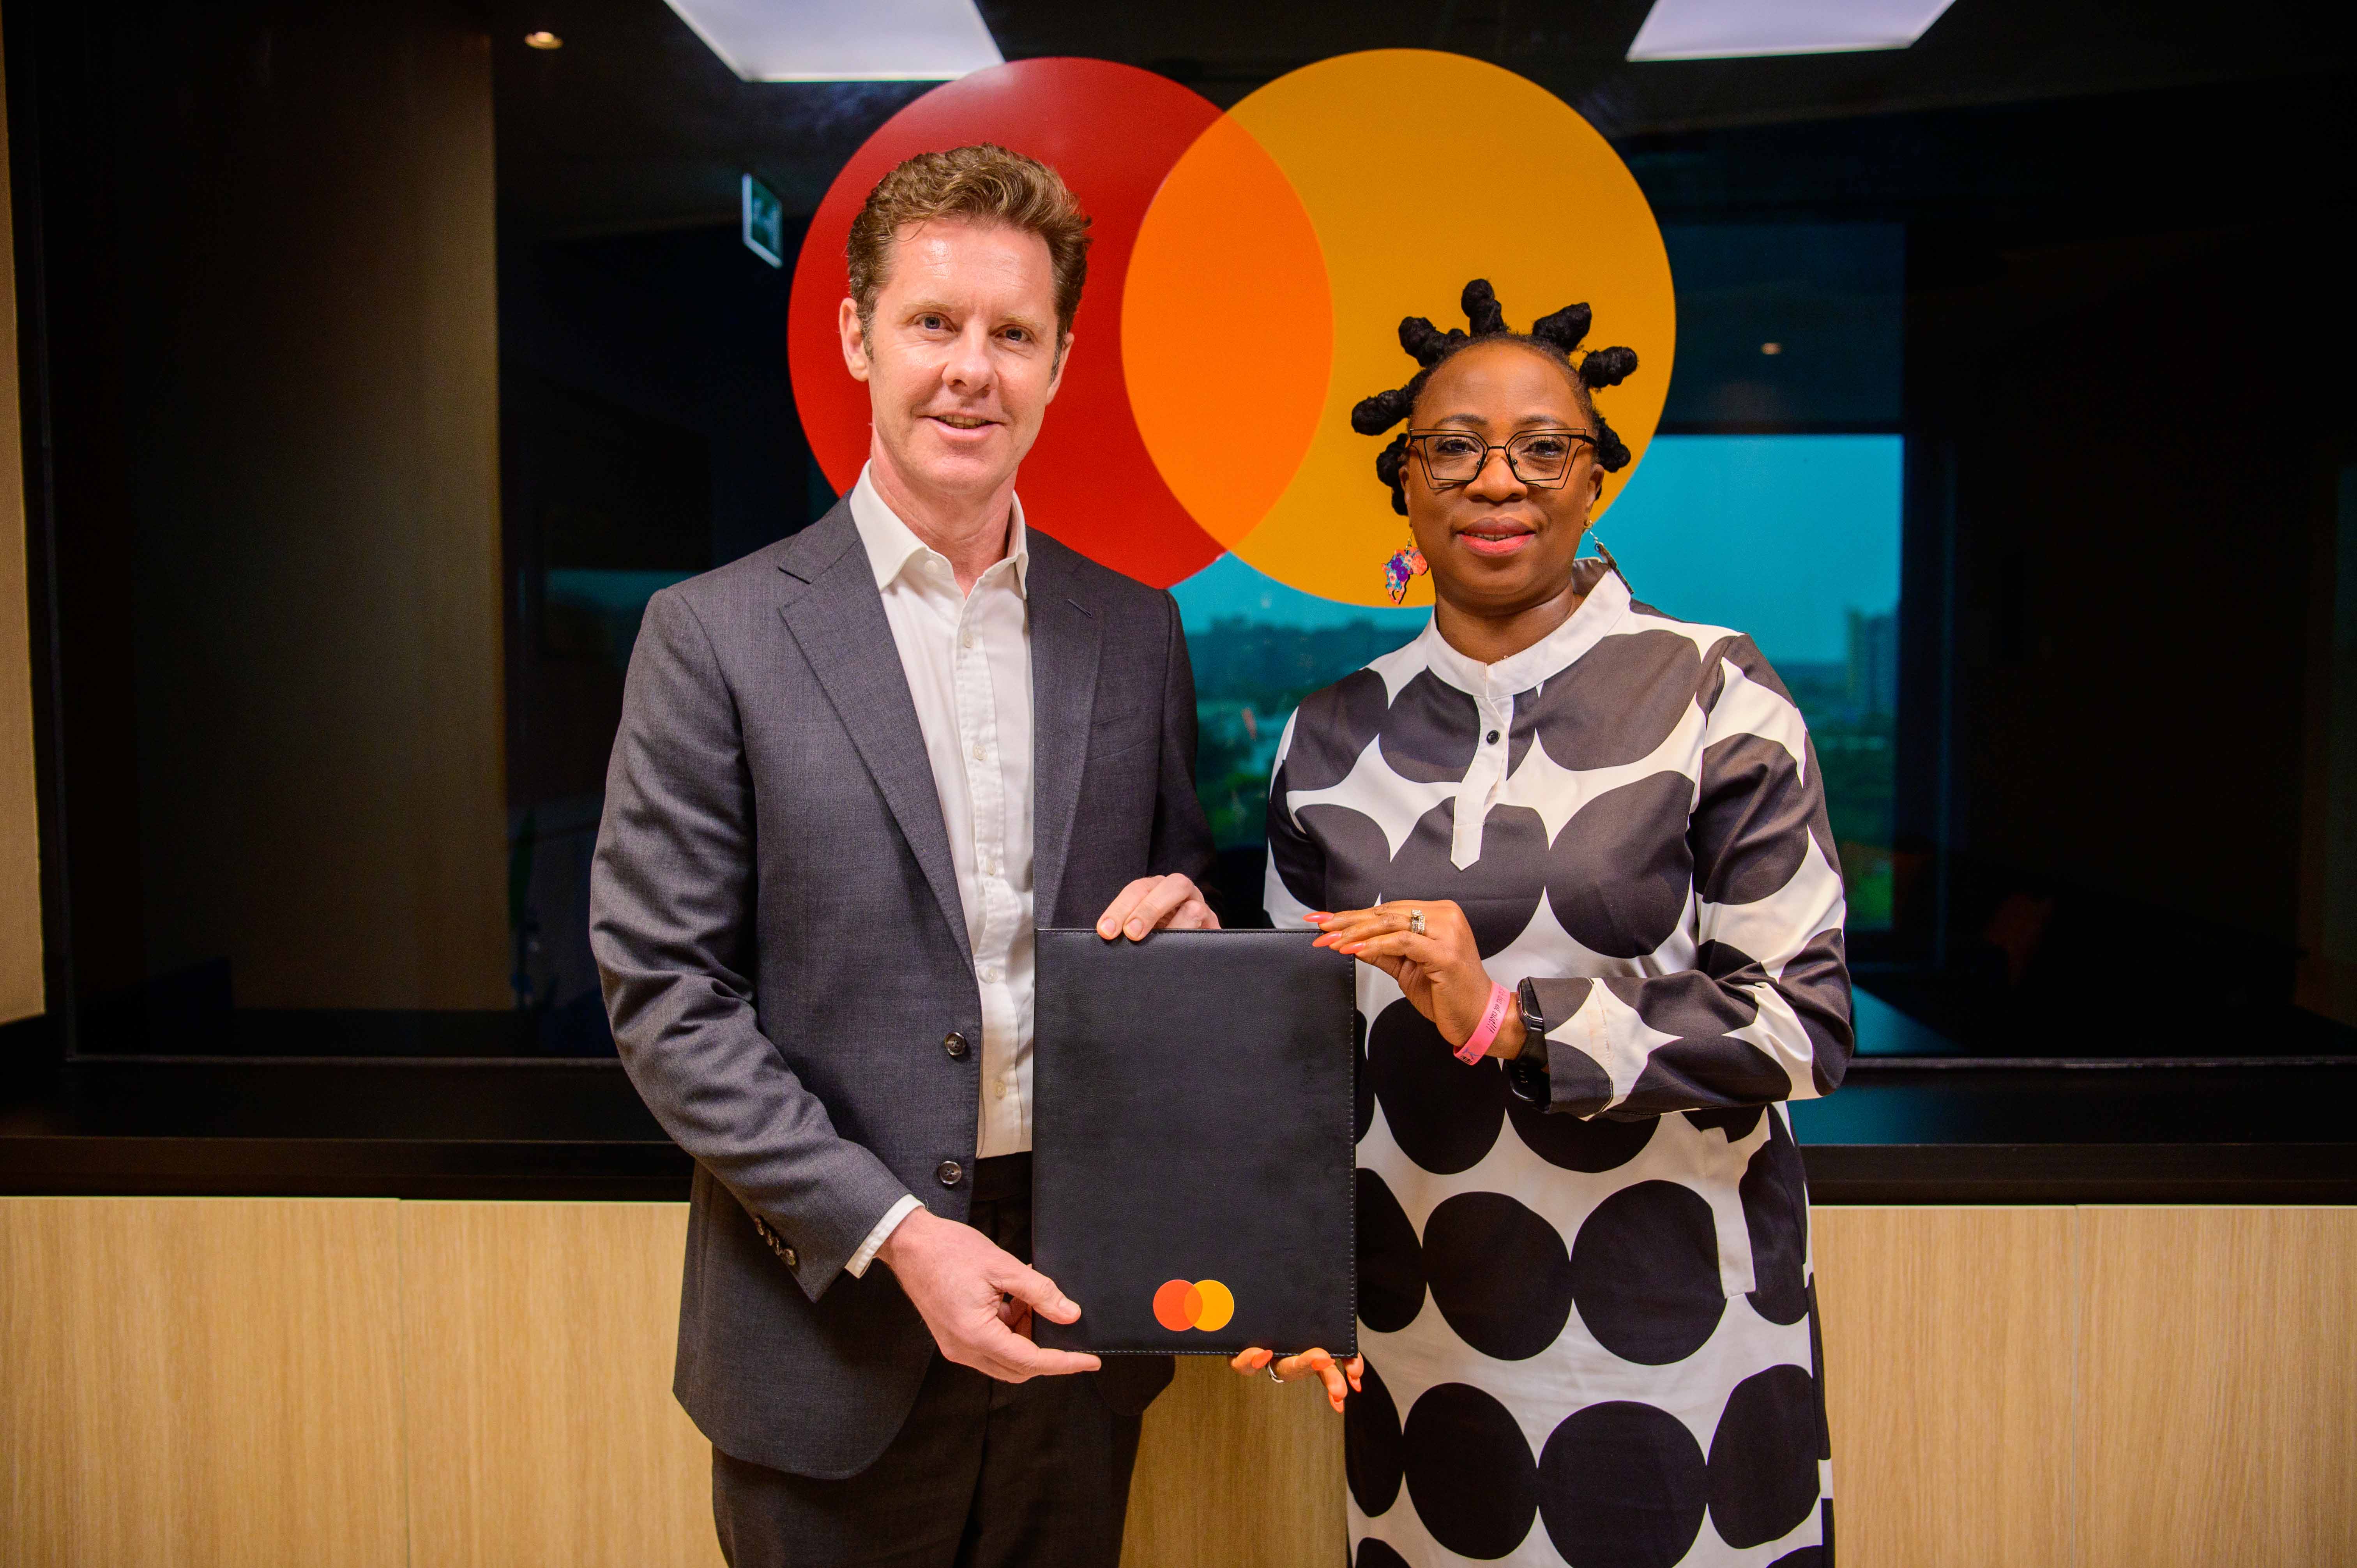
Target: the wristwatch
pixel 1526 1074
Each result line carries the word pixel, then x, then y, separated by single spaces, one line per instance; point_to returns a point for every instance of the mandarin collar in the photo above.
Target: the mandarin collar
pixel 1604 608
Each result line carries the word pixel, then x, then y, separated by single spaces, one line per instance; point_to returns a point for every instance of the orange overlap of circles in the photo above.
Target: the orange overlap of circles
pixel 1206 1304
pixel 1249 275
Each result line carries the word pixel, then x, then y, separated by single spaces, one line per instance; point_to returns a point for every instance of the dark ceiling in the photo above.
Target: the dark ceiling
pixel 635 125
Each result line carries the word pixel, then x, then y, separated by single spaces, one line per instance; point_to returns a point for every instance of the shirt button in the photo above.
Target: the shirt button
pixel 978 753
pixel 1493 737
pixel 954 1043
pixel 990 973
pixel 966 640
pixel 949 1173
pixel 998 1090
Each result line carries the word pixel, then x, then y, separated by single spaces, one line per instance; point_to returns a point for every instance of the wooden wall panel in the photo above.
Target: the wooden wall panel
pixel 20 840
pixel 541 1426
pixel 2218 1410
pixel 1948 1364
pixel 1236 1472
pixel 192 1382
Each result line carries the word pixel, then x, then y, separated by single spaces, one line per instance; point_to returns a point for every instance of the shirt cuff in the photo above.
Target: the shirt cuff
pixel 857 1267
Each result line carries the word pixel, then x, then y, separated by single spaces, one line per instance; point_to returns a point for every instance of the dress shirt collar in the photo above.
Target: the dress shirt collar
pixel 1606 604
pixel 892 544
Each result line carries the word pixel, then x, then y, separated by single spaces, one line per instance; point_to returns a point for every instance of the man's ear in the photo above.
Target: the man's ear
pixel 854 338
pixel 1056 375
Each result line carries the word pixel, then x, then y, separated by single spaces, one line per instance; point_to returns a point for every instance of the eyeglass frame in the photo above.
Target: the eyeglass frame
pixel 1416 439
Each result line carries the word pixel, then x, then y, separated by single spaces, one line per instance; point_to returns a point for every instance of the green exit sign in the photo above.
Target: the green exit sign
pixel 765 222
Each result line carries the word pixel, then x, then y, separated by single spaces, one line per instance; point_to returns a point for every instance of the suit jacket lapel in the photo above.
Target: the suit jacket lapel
pixel 1065 648
pixel 836 615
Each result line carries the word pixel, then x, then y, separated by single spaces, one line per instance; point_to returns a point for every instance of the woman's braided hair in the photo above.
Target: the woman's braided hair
pixel 1556 335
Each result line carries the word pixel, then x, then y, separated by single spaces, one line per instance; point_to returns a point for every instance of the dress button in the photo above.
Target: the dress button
pixel 950 1172
pixel 954 1043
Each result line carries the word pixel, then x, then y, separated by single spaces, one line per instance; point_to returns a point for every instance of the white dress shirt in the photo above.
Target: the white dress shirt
pixel 968 660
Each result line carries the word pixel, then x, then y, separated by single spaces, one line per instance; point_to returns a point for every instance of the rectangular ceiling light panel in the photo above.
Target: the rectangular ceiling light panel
pixel 816 40
pixel 1724 29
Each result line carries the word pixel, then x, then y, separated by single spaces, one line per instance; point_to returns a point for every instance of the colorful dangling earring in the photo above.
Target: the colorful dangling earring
pixel 1402 565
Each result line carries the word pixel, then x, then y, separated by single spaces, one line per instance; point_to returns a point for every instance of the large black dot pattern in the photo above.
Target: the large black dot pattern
pixel 1644 1273
pixel 1443 1114
pixel 1619 872
pixel 1622 1484
pixel 1363 1086
pixel 1391 1260
pixel 1500 1274
pixel 1371 1455
pixel 1750 826
pixel 1776 1213
pixel 1432 731
pixel 1763 1457
pixel 1469 1471
pixel 1579 1143
pixel 1496 892
pixel 1618 704
pixel 1483 1291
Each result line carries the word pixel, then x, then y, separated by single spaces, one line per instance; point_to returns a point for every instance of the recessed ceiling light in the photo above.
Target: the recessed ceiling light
pixel 1726 30
pixel 1771 348
pixel 826 40
pixel 543 40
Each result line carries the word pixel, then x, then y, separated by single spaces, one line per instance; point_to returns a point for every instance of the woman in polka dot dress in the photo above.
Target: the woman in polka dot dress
pixel 1588 1323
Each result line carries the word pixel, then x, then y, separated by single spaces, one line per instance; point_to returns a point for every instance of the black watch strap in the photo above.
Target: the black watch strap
pixel 1526 1074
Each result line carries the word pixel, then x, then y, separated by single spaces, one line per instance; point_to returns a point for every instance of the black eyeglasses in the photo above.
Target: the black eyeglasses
pixel 1539 458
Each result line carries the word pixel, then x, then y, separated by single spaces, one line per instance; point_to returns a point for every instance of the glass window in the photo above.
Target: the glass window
pixel 379 367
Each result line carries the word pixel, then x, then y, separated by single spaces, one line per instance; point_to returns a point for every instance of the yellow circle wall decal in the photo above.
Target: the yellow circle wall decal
pixel 1415 171
pixel 1218 1305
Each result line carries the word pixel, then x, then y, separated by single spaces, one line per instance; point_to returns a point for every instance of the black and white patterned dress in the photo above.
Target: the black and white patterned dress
pixel 1591 1328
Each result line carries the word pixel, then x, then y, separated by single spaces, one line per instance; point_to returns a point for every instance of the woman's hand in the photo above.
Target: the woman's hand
pixel 1340 1377
pixel 1439 972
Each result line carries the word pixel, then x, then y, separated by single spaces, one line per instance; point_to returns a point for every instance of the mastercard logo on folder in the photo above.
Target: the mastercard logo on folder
pixel 1181 1305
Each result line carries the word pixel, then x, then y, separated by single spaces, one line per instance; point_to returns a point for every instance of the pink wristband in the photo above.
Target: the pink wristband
pixel 1493 1018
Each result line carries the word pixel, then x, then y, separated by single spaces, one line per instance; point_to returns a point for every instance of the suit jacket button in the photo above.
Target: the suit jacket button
pixel 954 1043
pixel 951 1172
pixel 791 1261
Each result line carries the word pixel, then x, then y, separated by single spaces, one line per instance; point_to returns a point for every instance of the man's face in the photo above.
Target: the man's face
pixel 961 359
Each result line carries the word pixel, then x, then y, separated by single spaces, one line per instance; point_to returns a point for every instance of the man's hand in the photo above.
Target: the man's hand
pixel 978 1298
pixel 1151 903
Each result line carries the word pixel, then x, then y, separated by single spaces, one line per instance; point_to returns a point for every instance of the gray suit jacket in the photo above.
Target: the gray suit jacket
pixel 775 916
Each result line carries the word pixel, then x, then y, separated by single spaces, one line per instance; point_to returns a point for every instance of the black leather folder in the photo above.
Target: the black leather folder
pixel 1192 1142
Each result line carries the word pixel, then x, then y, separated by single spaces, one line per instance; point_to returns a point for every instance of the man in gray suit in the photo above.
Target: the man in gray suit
pixel 855 770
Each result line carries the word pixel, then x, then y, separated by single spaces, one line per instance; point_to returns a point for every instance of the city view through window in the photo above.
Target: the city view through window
pixel 1792 539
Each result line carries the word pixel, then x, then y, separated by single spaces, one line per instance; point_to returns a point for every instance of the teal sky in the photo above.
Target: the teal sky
pixel 1777 536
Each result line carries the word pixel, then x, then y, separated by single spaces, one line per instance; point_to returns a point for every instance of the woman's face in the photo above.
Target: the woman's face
pixel 1495 544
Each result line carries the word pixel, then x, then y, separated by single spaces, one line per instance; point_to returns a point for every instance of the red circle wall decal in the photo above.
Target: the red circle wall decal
pixel 1112 131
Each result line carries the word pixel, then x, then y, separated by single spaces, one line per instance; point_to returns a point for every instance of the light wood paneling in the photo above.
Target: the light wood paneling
pixel 1236 1472
pixel 20 841
pixel 199 1382
pixel 2218 1405
pixel 541 1426
pixel 1948 1366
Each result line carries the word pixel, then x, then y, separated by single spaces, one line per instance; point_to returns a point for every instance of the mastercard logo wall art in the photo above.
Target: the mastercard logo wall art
pixel 1247 285
pixel 1205 1304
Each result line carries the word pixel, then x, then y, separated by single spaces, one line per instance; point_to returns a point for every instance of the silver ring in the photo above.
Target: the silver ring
pixel 1416 921
pixel 1273 1378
